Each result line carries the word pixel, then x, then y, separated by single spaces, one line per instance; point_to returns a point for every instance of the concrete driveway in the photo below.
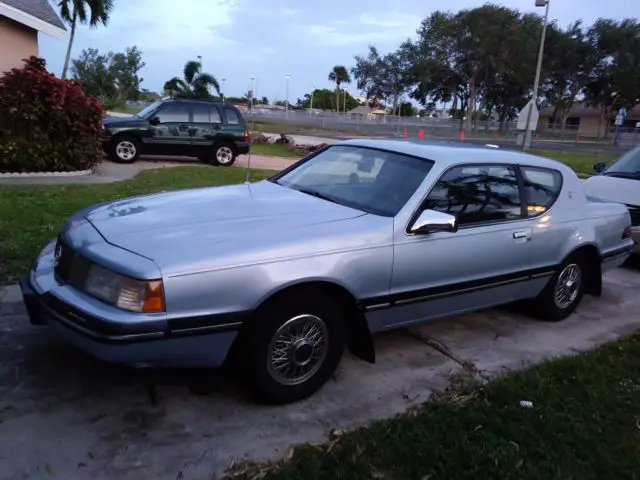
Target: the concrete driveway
pixel 65 415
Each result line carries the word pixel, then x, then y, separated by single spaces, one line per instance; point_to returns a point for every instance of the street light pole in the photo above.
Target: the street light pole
pixel 536 84
pixel 222 93
pixel 344 102
pixel 311 105
pixel 253 79
pixel 286 101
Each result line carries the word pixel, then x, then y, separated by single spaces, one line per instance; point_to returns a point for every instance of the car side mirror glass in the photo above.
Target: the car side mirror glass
pixel 599 167
pixel 430 221
pixel 155 120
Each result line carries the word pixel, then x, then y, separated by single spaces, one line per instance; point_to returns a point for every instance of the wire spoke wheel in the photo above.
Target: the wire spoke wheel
pixel 568 286
pixel 298 349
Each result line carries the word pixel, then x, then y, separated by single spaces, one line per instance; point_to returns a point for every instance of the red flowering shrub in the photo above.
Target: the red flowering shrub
pixel 46 124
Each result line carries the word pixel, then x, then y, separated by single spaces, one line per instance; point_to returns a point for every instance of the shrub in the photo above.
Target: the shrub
pixel 46 124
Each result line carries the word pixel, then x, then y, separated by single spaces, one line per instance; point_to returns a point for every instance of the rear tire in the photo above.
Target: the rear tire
pixel 224 154
pixel 565 290
pixel 124 149
pixel 292 347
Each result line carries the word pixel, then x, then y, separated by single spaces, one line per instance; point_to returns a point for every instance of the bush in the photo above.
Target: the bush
pixel 46 124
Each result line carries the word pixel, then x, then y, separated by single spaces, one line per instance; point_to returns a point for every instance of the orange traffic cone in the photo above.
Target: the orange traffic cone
pixel 420 134
pixel 461 135
pixel 404 134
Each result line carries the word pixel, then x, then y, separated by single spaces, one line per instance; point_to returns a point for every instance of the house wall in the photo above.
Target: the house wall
pixel 17 42
pixel 589 127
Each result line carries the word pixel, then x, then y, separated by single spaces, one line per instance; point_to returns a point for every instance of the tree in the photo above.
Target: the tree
pixel 194 84
pixel 615 55
pixel 339 75
pixel 324 99
pixel 111 77
pixel 264 101
pixel 127 66
pixel 92 12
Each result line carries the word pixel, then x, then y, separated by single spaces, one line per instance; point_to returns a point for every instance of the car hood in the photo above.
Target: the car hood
pixel 613 189
pixel 161 225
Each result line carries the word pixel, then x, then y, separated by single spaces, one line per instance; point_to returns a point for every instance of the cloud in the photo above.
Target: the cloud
pixel 363 29
pixel 155 26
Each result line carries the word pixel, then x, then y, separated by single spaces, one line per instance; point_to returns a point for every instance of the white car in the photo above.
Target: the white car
pixel 619 182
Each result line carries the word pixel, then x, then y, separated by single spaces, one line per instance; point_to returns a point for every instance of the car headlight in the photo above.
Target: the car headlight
pixel 124 292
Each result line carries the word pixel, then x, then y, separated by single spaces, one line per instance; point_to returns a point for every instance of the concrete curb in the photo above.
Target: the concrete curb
pixel 75 173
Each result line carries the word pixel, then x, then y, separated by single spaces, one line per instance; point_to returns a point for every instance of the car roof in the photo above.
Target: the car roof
pixel 203 101
pixel 449 152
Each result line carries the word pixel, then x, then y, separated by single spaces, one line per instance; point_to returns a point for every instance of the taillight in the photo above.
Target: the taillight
pixel 626 233
pixel 246 134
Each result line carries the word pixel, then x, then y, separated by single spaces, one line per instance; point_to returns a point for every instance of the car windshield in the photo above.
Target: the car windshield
pixel 373 181
pixel 147 110
pixel 628 165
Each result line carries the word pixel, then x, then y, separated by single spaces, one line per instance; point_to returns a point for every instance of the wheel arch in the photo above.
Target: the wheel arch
pixel 359 338
pixel 593 264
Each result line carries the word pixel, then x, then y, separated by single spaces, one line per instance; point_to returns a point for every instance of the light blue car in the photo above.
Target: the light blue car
pixel 277 277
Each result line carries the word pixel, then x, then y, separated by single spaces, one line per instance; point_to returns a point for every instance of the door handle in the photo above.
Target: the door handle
pixel 183 128
pixel 217 127
pixel 517 235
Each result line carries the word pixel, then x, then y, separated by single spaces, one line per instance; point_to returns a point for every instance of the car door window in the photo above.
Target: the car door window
pixel 232 116
pixel 206 114
pixel 173 113
pixel 477 194
pixel 542 187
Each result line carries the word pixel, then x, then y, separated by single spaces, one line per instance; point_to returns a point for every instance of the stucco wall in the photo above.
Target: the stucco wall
pixel 16 43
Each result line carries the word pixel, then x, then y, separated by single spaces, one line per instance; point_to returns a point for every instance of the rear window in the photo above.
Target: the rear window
pixel 542 188
pixel 233 118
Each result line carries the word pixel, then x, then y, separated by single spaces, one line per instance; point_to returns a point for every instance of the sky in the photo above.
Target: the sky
pixel 269 39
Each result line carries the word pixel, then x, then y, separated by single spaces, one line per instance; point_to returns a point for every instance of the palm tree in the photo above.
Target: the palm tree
pixel 92 12
pixel 194 84
pixel 339 75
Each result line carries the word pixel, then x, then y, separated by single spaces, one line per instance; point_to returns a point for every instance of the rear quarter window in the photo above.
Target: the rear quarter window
pixel 542 188
pixel 233 116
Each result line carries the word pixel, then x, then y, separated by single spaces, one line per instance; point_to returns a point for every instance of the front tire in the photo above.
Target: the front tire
pixel 124 149
pixel 565 290
pixel 292 347
pixel 224 154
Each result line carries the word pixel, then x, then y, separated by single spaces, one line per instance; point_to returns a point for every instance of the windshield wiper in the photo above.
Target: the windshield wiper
pixel 316 194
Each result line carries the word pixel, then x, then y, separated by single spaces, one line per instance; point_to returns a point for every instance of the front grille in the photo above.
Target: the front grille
pixel 634 213
pixel 70 267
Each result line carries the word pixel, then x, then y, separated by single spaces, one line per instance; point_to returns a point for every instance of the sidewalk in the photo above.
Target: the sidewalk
pixel 108 172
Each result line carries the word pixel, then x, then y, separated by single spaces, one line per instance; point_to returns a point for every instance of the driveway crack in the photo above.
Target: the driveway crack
pixel 441 347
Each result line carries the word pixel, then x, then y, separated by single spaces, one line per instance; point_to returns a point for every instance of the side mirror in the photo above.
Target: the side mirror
pixel 154 120
pixel 430 221
pixel 599 167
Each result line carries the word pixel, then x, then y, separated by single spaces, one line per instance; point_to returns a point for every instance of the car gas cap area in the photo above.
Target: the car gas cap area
pixel 121 424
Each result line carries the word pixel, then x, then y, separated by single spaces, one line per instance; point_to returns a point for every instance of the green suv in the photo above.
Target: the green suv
pixel 212 131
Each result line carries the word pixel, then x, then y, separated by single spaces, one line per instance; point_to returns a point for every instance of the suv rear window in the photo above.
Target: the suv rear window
pixel 542 188
pixel 232 116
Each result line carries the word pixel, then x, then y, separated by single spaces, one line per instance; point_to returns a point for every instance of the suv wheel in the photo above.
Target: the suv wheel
pixel 124 149
pixel 224 154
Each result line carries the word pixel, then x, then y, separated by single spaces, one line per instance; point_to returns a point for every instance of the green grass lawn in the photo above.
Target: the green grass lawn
pixel 33 214
pixel 584 424
pixel 275 150
pixel 128 110
pixel 582 163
